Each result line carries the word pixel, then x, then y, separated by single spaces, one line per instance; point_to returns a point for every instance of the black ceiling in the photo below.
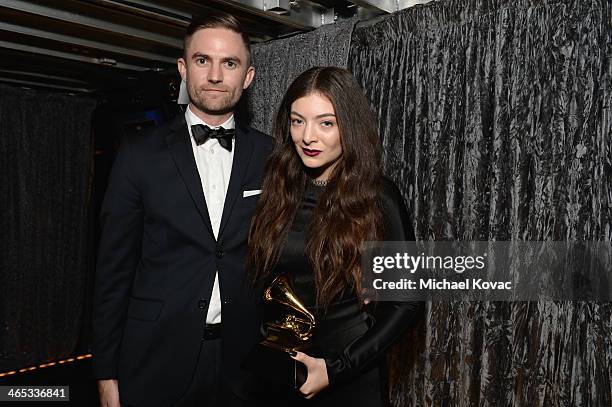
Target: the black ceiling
pixel 93 45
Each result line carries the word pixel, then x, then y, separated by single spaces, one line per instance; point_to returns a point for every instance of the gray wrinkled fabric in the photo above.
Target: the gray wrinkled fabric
pixel 495 122
pixel 279 62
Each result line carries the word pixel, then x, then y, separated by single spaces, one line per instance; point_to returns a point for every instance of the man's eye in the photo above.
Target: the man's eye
pixel 201 60
pixel 230 64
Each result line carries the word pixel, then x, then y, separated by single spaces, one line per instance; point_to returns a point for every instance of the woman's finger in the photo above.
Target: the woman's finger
pixel 303 392
pixel 302 357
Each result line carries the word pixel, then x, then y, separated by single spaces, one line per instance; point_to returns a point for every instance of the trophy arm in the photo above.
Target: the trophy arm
pixel 297 305
pixel 280 291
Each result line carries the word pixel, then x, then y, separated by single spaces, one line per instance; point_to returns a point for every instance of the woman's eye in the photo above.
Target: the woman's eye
pixel 327 123
pixel 296 122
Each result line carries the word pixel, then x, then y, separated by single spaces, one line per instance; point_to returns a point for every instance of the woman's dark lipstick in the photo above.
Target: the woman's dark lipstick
pixel 311 153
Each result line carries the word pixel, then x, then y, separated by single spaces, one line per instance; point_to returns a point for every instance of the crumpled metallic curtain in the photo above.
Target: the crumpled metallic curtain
pixel 45 166
pixel 279 62
pixel 496 121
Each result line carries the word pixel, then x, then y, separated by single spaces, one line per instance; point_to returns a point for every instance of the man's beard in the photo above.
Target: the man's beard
pixel 215 106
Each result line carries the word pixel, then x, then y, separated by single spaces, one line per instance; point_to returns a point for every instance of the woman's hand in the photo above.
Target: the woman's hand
pixel 317 379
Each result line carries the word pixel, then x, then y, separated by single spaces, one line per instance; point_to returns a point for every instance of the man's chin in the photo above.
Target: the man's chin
pixel 215 110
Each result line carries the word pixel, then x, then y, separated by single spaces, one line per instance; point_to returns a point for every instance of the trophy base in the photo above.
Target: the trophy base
pixel 281 347
pixel 274 367
pixel 283 340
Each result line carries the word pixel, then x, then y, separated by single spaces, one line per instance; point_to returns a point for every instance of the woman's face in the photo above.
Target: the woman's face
pixel 315 133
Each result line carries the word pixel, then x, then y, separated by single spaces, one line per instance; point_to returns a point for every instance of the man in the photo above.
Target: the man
pixel 173 315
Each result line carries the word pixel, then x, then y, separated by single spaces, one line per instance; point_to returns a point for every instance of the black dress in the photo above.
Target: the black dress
pixel 352 339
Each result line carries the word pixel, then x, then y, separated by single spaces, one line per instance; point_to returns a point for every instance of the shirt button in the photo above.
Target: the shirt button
pixel 212 151
pixel 220 253
pixel 202 303
pixel 214 187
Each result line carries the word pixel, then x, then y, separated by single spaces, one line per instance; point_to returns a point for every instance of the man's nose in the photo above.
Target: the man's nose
pixel 215 73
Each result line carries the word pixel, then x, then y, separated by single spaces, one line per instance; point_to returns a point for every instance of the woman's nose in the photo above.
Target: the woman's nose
pixel 309 135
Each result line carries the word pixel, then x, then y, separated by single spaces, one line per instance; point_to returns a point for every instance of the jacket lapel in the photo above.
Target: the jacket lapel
pixel 242 157
pixel 182 153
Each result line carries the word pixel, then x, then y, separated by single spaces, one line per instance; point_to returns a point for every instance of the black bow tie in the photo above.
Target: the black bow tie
pixel 201 133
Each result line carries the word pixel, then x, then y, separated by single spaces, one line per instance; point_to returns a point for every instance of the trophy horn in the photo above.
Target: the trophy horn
pixel 298 324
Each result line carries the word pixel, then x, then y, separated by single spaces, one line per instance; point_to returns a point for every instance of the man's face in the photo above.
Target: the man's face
pixel 216 70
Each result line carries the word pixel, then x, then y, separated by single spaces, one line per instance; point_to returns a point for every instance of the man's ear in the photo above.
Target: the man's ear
pixel 250 74
pixel 182 68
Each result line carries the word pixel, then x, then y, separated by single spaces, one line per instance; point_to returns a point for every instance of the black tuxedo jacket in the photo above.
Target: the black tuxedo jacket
pixel 157 261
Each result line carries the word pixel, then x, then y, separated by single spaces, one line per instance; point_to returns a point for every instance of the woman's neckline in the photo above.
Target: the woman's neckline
pixel 319 183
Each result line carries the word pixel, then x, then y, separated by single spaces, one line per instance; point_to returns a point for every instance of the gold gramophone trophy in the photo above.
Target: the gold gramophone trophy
pixel 293 330
pixel 290 330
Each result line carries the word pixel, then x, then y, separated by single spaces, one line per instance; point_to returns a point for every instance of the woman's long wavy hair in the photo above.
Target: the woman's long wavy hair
pixel 347 212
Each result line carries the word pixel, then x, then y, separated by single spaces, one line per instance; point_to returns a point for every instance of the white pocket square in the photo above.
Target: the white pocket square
pixel 252 192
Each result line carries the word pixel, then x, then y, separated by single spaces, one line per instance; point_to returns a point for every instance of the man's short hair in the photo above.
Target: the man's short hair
pixel 216 19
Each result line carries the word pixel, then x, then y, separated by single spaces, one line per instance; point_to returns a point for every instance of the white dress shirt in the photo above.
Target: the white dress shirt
pixel 214 166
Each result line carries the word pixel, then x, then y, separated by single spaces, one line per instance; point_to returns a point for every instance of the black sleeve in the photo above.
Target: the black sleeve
pixel 391 319
pixel 118 256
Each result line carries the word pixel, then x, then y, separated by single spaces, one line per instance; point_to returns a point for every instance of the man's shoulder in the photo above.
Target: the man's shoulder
pixel 259 137
pixel 155 136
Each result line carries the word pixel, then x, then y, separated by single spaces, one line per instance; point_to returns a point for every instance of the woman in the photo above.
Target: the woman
pixel 323 196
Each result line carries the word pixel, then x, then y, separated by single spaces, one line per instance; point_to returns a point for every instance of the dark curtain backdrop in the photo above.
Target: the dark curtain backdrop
pixel 279 62
pixel 45 156
pixel 495 116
